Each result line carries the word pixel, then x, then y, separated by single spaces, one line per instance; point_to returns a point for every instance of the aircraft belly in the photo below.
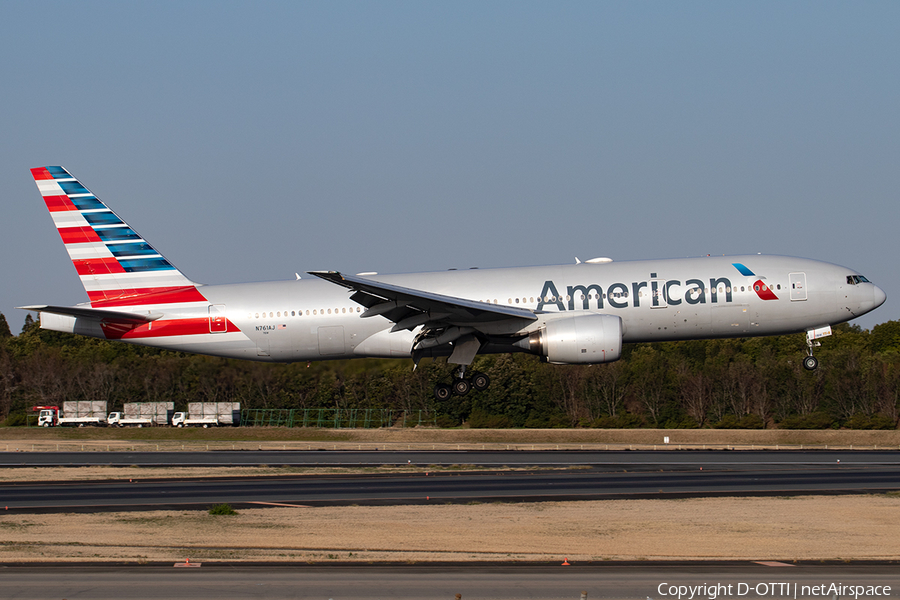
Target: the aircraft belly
pixel 385 344
pixel 229 345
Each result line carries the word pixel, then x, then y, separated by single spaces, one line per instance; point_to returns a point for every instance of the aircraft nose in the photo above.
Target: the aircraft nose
pixel 880 296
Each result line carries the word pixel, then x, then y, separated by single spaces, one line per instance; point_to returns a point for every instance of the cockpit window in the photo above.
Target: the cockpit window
pixel 856 279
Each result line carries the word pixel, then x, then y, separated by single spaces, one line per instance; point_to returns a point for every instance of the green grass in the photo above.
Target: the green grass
pixel 222 510
pixel 185 434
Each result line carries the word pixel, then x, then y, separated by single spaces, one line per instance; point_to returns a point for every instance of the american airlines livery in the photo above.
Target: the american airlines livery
pixel 570 314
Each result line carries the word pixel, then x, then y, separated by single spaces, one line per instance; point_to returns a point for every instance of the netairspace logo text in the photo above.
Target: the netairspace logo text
pixel 770 590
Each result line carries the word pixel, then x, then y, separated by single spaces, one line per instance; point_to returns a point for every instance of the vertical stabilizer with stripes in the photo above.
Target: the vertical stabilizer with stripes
pixel 117 267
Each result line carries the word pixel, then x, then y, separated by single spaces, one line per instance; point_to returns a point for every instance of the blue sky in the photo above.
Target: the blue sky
pixel 249 141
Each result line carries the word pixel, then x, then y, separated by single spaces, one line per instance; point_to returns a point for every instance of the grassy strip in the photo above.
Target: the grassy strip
pixel 422 437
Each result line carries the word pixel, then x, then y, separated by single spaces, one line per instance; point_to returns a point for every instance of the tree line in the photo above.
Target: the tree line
pixel 729 383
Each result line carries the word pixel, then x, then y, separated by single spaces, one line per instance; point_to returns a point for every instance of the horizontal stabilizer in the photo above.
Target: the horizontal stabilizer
pixel 110 316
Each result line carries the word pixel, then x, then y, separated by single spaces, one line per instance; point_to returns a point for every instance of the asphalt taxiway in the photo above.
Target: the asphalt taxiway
pixel 490 458
pixel 656 581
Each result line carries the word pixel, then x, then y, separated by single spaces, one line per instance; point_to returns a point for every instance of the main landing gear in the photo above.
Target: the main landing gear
pixel 462 385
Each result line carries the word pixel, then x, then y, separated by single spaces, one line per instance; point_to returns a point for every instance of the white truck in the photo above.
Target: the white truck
pixel 119 419
pixel 49 416
pixel 209 414
pixel 181 419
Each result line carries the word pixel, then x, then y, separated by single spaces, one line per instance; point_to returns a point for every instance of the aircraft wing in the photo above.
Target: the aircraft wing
pixel 110 316
pixel 408 308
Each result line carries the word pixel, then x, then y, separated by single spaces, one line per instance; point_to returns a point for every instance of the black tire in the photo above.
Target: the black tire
pixel 461 387
pixel 810 363
pixel 480 381
pixel 442 391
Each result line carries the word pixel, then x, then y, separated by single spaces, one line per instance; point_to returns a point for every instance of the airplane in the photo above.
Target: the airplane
pixel 578 313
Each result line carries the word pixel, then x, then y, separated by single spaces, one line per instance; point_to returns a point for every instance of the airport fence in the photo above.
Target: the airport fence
pixel 335 418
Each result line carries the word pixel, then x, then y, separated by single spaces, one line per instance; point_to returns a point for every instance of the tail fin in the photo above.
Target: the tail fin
pixel 116 265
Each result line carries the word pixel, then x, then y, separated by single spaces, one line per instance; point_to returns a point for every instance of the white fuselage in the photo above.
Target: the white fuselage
pixel 657 300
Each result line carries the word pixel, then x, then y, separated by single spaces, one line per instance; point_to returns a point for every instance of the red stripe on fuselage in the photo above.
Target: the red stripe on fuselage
pixel 138 296
pixel 764 291
pixel 58 203
pixel 78 235
pixel 41 173
pixel 97 266
pixel 169 328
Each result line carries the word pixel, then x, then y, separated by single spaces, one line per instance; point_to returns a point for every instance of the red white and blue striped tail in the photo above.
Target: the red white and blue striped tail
pixel 118 268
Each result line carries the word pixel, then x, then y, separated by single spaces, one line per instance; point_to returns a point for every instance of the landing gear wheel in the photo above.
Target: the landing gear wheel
pixel 480 381
pixel 442 391
pixel 461 387
pixel 810 363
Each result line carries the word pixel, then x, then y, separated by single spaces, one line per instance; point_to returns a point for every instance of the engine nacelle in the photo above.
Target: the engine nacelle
pixel 578 339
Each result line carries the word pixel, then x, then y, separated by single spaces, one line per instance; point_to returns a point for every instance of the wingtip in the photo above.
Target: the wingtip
pixel 35 307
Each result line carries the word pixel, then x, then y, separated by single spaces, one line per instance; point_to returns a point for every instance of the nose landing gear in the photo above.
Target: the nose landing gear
pixel 810 363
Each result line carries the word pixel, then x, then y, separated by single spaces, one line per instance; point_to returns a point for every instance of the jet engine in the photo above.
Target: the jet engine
pixel 577 339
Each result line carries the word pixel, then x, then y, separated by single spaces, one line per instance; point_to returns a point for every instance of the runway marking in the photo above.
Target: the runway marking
pixel 280 504
pixel 772 563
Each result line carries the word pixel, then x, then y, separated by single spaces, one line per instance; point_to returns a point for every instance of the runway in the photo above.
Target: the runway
pixel 650 481
pixel 656 581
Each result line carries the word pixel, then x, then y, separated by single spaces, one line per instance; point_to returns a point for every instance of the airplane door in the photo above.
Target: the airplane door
pixel 217 322
pixel 798 286
pixel 331 340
